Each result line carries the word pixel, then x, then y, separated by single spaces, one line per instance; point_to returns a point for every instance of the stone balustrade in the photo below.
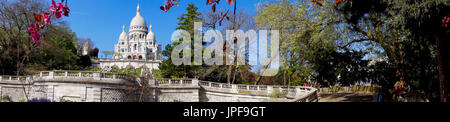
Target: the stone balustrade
pixel 291 92
pixel 14 78
pixel 298 93
pixel 81 74
pixel 72 75
pixel 295 93
pixel 145 60
pixel 176 82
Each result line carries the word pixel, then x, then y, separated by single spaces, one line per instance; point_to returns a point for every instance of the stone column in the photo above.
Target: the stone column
pixel 1 78
pixel 195 82
pixel 298 91
pixel 234 88
pixel 97 76
pixel 269 90
pixel 51 74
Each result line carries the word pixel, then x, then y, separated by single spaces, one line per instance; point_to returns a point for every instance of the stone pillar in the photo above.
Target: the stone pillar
pixel 298 91
pixel 97 76
pixel 269 90
pixel 66 73
pixel 51 74
pixel 79 74
pixel 28 79
pixel 234 88
pixel 1 78
pixel 114 75
pixel 195 82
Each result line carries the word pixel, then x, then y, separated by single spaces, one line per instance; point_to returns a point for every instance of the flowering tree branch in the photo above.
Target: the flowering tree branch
pixel 42 20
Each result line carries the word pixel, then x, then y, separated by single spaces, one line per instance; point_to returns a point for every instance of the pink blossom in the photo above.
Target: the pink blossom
pixel 446 21
pixel 34 33
pixel 58 14
pixel 35 38
pixel 60 6
pixel 47 17
pixel 53 7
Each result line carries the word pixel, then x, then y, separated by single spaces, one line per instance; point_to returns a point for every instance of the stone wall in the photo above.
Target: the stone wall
pixel 106 87
pixel 67 86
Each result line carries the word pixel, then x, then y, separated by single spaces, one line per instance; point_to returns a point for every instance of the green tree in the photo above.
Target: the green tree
pixel 302 28
pixel 410 33
pixel 19 55
pixel 186 22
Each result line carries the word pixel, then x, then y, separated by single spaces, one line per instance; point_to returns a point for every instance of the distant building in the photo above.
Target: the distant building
pixel 135 49
pixel 85 50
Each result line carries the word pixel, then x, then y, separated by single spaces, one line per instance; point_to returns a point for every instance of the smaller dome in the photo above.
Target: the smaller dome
pixel 123 35
pixel 150 34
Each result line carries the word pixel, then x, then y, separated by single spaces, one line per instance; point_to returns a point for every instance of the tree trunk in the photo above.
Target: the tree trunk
pixel 442 67
pixel 284 77
pixel 230 68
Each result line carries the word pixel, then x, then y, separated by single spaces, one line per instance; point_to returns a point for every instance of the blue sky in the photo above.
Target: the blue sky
pixel 102 20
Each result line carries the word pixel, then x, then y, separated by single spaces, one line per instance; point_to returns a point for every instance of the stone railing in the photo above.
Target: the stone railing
pixel 350 89
pixel 82 74
pixel 309 97
pixel 147 60
pixel 176 82
pixel 68 75
pixel 296 93
pixel 265 90
pixel 6 78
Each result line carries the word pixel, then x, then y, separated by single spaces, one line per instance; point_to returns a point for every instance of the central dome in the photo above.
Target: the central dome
pixel 138 22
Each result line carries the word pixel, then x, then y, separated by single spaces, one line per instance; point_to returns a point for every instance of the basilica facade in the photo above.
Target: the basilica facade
pixel 135 49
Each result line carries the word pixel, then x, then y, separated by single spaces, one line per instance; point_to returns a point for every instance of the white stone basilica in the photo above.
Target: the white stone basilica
pixel 137 49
